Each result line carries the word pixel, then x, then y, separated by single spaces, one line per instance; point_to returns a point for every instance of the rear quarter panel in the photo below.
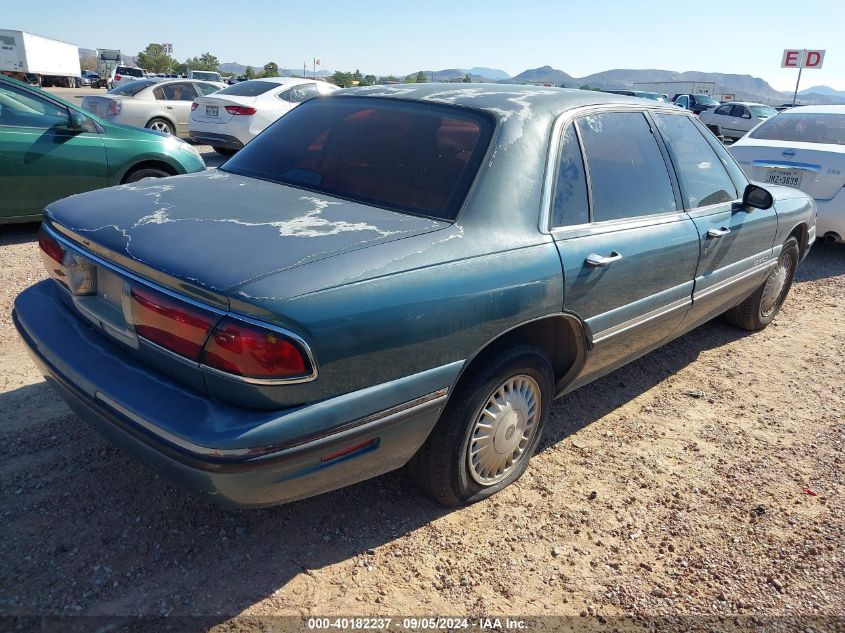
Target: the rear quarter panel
pixel 794 208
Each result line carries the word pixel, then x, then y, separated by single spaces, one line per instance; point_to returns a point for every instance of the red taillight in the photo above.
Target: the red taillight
pixel 254 352
pixel 194 106
pixel 173 324
pixel 51 247
pixel 117 77
pixel 240 110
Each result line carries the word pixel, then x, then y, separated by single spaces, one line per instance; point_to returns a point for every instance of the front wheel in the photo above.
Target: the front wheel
pixel 759 309
pixel 142 174
pixel 489 429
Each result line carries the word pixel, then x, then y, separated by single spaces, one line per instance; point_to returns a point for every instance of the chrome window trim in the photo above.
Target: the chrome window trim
pixel 122 272
pixel 553 155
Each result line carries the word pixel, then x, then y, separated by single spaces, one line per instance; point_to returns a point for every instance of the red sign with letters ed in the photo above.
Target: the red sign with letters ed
pixel 802 58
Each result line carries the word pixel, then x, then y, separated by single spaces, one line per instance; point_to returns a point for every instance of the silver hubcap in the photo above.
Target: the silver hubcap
pixel 776 285
pixel 160 126
pixel 503 430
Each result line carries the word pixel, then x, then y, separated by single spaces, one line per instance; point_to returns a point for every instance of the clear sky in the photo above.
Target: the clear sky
pixel 382 37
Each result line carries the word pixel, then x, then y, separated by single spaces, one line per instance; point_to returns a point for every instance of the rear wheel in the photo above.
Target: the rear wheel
pixel 225 151
pixel 489 429
pixel 759 309
pixel 161 125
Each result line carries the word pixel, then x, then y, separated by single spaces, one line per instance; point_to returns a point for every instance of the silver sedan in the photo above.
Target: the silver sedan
pixel 159 105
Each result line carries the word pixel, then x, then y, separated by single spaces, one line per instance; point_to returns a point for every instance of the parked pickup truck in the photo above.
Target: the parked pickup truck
pixel 734 120
pixel 397 276
pixel 695 103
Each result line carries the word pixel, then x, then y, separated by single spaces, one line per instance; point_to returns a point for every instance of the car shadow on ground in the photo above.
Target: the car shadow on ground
pixel 824 261
pixel 104 536
pixel 19 233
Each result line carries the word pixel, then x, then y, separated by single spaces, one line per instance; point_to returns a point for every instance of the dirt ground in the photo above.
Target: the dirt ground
pixel 705 478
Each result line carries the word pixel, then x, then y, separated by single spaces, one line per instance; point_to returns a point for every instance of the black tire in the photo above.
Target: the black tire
pixel 160 125
pixel 225 151
pixel 760 308
pixel 442 466
pixel 148 172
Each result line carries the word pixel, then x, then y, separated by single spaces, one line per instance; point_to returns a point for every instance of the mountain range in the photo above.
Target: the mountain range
pixel 744 87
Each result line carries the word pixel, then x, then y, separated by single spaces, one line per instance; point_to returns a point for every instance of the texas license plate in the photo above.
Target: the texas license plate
pixel 210 110
pixel 786 177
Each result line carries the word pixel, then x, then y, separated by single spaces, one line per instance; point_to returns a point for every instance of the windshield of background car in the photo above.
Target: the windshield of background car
pixel 132 88
pixel 705 100
pixel 205 76
pixel 406 156
pixel 251 88
pixel 803 127
pixel 763 111
pixel 132 72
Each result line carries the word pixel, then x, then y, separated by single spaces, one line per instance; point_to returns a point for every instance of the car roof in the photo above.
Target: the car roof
pixel 282 81
pixel 500 99
pixel 820 109
pixel 746 103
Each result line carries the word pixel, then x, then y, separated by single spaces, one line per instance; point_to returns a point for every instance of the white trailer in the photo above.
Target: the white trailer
pixel 51 62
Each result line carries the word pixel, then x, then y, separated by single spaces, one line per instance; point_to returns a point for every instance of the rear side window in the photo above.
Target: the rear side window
pixel 206 89
pixel 180 91
pixel 798 127
pixel 406 156
pixel 704 180
pixel 725 110
pixel 628 176
pixel 132 72
pixel 571 205
pixel 298 94
pixel 251 88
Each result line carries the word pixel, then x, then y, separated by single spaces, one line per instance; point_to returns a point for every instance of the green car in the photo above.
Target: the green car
pixel 50 149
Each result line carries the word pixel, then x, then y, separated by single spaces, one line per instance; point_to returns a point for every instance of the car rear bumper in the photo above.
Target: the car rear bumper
pixel 831 216
pixel 96 377
pixel 216 139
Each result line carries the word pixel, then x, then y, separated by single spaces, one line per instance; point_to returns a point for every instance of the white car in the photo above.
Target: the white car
pixel 162 105
pixel 803 147
pixel 205 75
pixel 121 75
pixel 232 117
pixel 734 120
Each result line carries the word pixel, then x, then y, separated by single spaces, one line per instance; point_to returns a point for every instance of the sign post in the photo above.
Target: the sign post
pixel 801 58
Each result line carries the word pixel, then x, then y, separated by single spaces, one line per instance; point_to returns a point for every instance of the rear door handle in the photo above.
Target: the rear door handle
pixel 597 261
pixel 716 233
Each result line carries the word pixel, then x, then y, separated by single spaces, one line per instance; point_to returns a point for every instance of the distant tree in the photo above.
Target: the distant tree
pixel 390 78
pixel 342 79
pixel 370 80
pixel 420 78
pixel 271 69
pixel 357 76
pixel 206 61
pixel 154 59
pixel 249 73
pixel 88 63
pixel 180 68
pixel 467 79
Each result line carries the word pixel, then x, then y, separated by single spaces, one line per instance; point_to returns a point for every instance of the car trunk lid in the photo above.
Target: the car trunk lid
pixel 213 109
pixel 210 232
pixel 816 169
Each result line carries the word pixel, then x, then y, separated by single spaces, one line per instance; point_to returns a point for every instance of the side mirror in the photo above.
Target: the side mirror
pixel 756 197
pixel 80 123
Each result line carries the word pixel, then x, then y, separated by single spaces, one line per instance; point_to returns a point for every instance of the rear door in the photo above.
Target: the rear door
pixel 41 158
pixel 179 95
pixel 736 243
pixel 629 252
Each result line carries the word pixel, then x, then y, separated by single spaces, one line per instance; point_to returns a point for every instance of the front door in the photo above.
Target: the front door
pixel 736 243
pixel 629 252
pixel 42 157
pixel 180 95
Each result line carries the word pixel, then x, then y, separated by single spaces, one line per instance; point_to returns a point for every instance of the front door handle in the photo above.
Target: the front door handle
pixel 716 233
pixel 597 261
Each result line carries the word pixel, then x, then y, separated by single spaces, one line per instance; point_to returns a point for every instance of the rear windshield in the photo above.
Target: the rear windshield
pixel 407 156
pixel 705 100
pixel 205 76
pixel 800 127
pixel 763 111
pixel 251 88
pixel 132 88
pixel 132 72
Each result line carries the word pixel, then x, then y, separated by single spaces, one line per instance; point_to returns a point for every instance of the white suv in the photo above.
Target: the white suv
pixel 204 75
pixel 124 74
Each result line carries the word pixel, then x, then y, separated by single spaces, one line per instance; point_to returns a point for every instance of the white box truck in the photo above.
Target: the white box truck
pixel 31 57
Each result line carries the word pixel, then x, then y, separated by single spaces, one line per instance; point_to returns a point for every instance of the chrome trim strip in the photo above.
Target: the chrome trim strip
pixel 785 164
pixel 625 326
pixel 274 449
pixel 725 283
pixel 122 272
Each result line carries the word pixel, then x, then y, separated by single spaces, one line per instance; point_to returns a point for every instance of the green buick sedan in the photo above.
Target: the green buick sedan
pixel 50 149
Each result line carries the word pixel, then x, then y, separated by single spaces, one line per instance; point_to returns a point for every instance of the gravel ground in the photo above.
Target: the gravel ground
pixel 705 478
